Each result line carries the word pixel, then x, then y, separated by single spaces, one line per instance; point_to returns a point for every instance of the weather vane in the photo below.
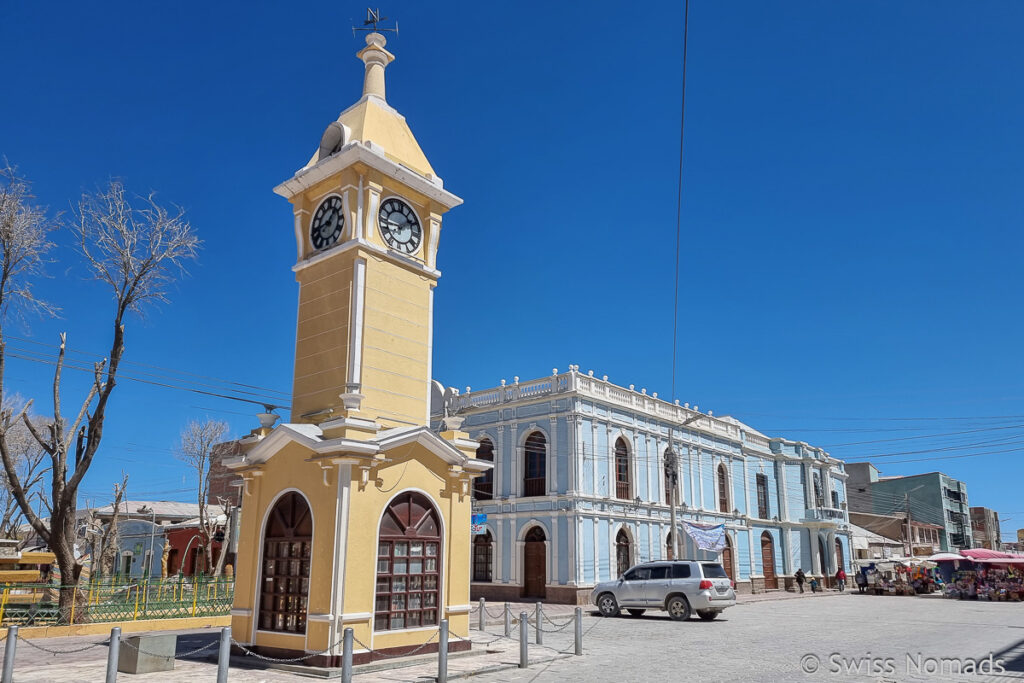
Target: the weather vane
pixel 373 18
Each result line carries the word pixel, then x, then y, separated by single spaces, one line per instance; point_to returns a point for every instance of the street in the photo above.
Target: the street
pixel 766 641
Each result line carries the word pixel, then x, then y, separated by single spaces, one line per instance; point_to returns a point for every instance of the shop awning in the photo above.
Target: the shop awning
pixel 946 557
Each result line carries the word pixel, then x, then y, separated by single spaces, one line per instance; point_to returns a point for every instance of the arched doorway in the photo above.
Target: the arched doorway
pixel 727 558
pixel 771 581
pixel 409 560
pixel 535 564
pixel 483 553
pixel 623 553
pixel 287 544
pixel 839 557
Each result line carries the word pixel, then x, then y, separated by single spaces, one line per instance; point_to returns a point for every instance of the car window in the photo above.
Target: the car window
pixel 637 574
pixel 680 571
pixel 659 573
pixel 713 571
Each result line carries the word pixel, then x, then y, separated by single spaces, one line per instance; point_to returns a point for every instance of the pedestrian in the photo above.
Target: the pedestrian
pixel 862 582
pixel 841 579
pixel 814 585
pixel 800 578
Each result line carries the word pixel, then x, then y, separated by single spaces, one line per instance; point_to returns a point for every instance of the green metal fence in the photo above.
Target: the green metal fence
pixel 106 600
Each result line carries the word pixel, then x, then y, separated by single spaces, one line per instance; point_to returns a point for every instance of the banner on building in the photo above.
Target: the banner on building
pixel 710 537
pixel 478 525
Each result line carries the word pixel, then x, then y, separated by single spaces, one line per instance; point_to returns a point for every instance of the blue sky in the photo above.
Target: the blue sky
pixel 851 208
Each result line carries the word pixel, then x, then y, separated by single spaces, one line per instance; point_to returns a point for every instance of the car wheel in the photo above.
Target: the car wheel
pixel 707 614
pixel 678 608
pixel 607 605
pixel 636 612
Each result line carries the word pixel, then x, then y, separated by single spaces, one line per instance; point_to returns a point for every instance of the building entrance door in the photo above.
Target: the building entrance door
pixel 839 556
pixel 768 561
pixel 826 573
pixel 727 559
pixel 535 564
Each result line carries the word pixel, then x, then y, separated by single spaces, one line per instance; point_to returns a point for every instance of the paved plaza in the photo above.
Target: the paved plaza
pixel 758 640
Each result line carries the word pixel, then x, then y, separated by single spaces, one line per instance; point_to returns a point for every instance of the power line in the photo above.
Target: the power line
pixel 924 436
pixel 679 196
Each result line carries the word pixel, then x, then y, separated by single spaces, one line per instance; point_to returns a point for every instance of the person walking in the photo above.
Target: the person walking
pixel 841 579
pixel 800 578
pixel 862 582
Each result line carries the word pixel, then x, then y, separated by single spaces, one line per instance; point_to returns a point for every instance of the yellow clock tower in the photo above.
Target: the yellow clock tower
pixel 368 210
pixel 354 513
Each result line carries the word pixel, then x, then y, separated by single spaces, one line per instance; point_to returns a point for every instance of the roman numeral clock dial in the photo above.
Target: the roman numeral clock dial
pixel 327 223
pixel 399 226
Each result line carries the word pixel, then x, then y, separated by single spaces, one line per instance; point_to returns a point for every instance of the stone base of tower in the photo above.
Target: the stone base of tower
pixel 335 661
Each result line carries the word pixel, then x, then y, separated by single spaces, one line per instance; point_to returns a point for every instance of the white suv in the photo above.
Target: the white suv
pixel 679 587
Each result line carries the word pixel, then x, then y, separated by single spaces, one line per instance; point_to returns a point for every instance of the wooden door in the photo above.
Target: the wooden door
pixel 839 556
pixel 727 560
pixel 768 561
pixel 534 564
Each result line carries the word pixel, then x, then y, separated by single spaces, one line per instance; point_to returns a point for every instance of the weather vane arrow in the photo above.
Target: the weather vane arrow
pixel 373 19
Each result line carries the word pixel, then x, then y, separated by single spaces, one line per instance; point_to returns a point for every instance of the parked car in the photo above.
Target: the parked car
pixel 679 587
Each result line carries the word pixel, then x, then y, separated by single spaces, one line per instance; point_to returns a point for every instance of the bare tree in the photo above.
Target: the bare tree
pixel 25 242
pixel 30 462
pixel 196 449
pixel 104 540
pixel 137 248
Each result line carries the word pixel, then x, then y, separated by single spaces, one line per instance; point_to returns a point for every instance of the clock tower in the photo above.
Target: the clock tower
pixel 367 210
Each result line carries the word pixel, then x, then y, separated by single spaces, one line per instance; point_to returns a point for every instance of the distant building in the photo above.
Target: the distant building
pixel 869 546
pixel 141 527
pixel 933 497
pixel 1020 536
pixel 924 537
pixel 985 527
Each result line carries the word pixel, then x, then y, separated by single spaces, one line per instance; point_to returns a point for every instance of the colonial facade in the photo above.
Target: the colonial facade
pixel 578 491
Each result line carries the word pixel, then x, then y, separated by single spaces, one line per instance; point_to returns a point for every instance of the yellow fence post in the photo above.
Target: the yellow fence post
pixel 74 599
pixel 195 599
pixel 136 616
pixel 3 604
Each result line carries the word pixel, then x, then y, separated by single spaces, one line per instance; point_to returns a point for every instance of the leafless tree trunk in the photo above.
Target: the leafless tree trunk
pixel 136 250
pixel 30 462
pixel 104 546
pixel 197 442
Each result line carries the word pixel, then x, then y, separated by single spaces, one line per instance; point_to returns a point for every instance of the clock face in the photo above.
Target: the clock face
pixel 327 223
pixel 399 226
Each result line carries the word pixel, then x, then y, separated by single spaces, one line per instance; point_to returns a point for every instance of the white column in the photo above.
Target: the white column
pixel 611 464
pixel 499 545
pixel 555 550
pixel 515 484
pixel 783 492
pixel 693 486
pixel 815 555
pixel 746 488
pixel 750 547
pixel 594 458
pixel 634 467
pixel 571 456
pixel 700 475
pixel 499 464
pixel 597 552
pixel 551 462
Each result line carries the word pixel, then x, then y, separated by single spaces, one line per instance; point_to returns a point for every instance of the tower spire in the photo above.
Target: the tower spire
pixel 376 58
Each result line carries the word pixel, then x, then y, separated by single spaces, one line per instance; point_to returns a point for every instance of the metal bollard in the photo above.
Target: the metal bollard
pixel 483 608
pixel 508 621
pixel 113 651
pixel 346 657
pixel 442 653
pixel 538 616
pixel 12 642
pixel 524 641
pixel 579 631
pixel 224 655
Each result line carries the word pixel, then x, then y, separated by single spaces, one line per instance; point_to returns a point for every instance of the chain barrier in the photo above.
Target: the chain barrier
pixel 62 652
pixel 497 637
pixel 173 656
pixel 402 654
pixel 257 655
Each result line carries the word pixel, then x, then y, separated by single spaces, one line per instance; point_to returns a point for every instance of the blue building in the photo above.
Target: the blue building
pixel 578 492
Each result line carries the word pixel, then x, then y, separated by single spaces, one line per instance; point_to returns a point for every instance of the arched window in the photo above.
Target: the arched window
pixel 408 564
pixel 483 486
pixel 535 471
pixel 622 484
pixel 623 552
pixel 483 552
pixel 287 544
pixel 723 489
